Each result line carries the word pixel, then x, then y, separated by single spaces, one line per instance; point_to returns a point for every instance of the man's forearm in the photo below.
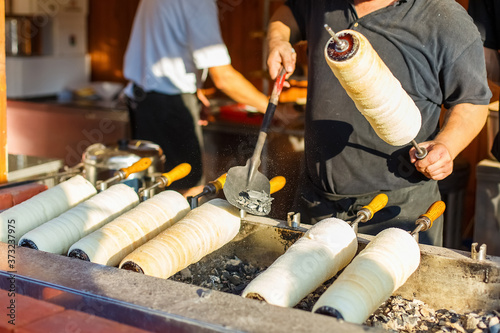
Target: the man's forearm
pixel 283 26
pixel 283 32
pixel 237 87
pixel 461 125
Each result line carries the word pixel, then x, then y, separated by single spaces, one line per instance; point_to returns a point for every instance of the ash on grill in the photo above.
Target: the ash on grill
pixel 257 203
pixel 232 275
pixel 229 275
pixel 401 315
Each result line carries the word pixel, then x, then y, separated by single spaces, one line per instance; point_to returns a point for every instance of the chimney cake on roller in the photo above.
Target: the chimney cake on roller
pixel 202 231
pixel 316 257
pixel 44 207
pixel 377 271
pixel 372 276
pixel 111 243
pixel 58 234
pixel 376 92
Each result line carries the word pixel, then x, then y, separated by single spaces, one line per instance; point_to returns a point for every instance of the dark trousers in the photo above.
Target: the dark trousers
pixel 170 121
pixel 402 210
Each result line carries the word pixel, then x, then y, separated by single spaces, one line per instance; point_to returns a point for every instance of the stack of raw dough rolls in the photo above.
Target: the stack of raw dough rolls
pixel 111 243
pixel 316 257
pixel 373 276
pixel 377 93
pixel 44 207
pixel 203 230
pixel 58 234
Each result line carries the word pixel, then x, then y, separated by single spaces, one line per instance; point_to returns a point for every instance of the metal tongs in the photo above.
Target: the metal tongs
pixel 246 188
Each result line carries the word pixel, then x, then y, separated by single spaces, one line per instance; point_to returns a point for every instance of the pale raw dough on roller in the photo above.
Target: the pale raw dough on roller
pixel 373 275
pixel 203 230
pixel 111 243
pixel 58 234
pixel 377 93
pixel 44 207
pixel 316 257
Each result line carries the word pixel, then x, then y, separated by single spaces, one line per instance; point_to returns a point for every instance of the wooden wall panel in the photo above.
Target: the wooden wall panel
pixel 242 26
pixel 243 32
pixel 109 25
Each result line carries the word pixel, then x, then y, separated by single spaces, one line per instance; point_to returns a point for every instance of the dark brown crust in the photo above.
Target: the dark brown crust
pixel 255 296
pixel 351 50
pixel 329 311
pixel 29 244
pixel 132 266
pixel 79 254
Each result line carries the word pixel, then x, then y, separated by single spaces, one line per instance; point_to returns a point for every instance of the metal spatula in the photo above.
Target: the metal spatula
pixel 246 188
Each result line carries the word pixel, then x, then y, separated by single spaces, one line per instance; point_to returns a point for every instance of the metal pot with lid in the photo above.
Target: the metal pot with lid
pixel 102 161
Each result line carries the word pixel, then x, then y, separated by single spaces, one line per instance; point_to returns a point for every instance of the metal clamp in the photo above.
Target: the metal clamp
pixel 293 219
pixel 474 254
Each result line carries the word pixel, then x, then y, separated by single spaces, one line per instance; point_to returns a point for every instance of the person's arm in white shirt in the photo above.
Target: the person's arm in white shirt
pixel 232 83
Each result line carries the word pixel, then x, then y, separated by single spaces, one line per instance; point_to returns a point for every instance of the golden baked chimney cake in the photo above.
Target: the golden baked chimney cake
pixel 377 93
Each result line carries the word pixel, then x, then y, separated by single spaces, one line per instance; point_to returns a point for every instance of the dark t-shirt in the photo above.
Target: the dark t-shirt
pixel 431 46
pixel 485 14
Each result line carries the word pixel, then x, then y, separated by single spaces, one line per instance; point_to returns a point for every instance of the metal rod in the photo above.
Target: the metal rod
pixel 37 179
pixel 417 229
pixel 357 220
pixel 342 44
pixel 421 151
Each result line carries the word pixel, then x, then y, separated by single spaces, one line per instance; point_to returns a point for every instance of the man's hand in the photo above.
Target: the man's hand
pixel 437 165
pixel 281 53
pixel 462 123
pixel 282 32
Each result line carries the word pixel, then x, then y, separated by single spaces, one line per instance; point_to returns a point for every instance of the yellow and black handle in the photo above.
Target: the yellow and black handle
pixel 426 220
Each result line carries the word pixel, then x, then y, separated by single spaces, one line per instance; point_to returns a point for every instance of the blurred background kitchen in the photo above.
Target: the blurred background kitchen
pixel 64 88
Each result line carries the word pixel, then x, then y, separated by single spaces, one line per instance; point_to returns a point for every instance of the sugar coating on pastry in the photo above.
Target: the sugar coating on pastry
pixel 44 206
pixel 202 231
pixel 58 234
pixel 373 275
pixel 377 93
pixel 327 247
pixel 111 243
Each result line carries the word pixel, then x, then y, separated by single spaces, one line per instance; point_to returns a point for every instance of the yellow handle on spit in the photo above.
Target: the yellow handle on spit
pixel 277 183
pixel 220 182
pixel 179 172
pixel 435 211
pixel 138 166
pixel 377 203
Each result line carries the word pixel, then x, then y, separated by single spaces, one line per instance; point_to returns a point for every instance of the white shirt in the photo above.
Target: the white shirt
pixel 172 41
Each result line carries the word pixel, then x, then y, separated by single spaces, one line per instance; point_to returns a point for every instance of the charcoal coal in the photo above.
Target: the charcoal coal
pixel 232 275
